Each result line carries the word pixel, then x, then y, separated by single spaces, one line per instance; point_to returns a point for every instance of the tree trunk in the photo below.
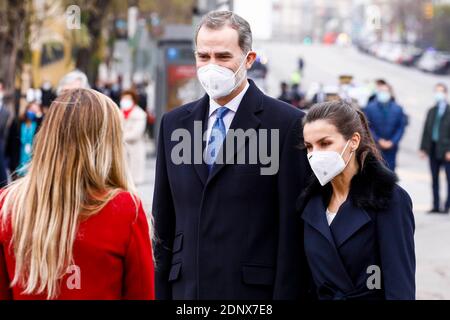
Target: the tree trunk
pixel 12 38
pixel 87 59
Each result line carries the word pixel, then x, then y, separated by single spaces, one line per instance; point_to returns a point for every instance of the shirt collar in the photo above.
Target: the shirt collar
pixel 232 105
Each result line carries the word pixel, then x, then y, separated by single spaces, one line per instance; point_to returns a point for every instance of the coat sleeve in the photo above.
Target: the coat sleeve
pixel 294 171
pixel 139 268
pixel 425 133
pixel 400 128
pixel 137 130
pixel 395 229
pixel 5 290
pixel 164 222
pixel 445 136
pixel 370 120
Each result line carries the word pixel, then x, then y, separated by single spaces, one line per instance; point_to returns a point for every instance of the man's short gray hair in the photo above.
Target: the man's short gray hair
pixel 72 77
pixel 218 19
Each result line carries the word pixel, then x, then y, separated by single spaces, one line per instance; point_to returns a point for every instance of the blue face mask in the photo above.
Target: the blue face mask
pixel 383 96
pixel 31 115
pixel 439 96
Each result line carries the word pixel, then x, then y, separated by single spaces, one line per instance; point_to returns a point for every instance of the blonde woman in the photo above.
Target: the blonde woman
pixel 71 228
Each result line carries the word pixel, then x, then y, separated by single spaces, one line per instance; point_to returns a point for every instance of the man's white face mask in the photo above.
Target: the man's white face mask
pixel 326 165
pixel 219 81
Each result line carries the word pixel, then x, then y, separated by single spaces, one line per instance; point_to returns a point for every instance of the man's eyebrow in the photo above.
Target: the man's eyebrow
pixel 223 53
pixel 218 53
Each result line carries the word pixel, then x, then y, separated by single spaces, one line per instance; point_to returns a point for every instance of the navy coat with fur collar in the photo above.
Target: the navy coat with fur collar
pixel 372 231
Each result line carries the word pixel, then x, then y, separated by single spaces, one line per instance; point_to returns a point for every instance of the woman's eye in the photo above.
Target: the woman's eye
pixel 325 144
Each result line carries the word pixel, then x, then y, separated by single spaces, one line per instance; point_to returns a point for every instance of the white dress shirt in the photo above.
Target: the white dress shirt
pixel 330 216
pixel 229 116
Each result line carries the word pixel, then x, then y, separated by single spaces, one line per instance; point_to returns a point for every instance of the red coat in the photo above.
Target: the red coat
pixel 112 254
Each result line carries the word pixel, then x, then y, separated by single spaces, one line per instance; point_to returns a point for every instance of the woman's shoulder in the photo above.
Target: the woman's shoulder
pixel 120 214
pixel 400 207
pixel 125 199
pixel 400 197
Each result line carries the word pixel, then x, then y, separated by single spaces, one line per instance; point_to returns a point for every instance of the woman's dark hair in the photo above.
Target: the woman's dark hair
pixel 348 119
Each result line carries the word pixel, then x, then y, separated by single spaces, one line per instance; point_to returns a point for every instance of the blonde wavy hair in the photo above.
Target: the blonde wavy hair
pixel 78 165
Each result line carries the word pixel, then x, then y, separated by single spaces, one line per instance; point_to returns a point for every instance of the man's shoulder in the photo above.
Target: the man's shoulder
pixel 397 106
pixel 281 109
pixel 184 109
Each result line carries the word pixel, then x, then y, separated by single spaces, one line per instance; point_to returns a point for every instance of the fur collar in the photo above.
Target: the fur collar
pixel 371 188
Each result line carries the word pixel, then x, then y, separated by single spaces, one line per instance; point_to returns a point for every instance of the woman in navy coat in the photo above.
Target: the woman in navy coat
pixel 358 223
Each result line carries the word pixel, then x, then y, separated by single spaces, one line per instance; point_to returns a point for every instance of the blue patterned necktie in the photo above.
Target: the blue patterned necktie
pixel 218 133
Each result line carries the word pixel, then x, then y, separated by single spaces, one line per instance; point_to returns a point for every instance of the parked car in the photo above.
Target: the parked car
pixel 434 61
pixel 382 50
pixel 394 53
pixel 410 55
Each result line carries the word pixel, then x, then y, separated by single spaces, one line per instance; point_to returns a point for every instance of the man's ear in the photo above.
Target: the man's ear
pixel 251 57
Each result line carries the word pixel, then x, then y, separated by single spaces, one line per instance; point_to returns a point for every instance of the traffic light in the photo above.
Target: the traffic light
pixel 428 10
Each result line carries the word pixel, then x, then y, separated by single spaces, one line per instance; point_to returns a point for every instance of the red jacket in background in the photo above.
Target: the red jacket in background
pixel 112 257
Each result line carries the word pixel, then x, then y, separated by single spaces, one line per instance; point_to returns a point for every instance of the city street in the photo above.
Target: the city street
pixel 414 91
pixel 80 80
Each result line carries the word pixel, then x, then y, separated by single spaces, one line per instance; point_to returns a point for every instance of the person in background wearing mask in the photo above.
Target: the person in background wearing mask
pixel 358 223
pixel 374 89
pixel 21 136
pixel 29 124
pixel 387 124
pixel 73 228
pixel 436 144
pixel 225 230
pixel 135 122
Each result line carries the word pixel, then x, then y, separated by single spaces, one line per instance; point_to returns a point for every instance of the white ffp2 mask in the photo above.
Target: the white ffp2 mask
pixel 219 81
pixel 326 165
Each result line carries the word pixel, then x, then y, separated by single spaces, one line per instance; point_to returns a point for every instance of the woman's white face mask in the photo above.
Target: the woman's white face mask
pixel 326 165
pixel 219 81
pixel 126 104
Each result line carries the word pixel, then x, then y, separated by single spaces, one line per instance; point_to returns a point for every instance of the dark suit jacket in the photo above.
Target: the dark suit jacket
pixel 443 145
pixel 232 234
pixel 373 227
